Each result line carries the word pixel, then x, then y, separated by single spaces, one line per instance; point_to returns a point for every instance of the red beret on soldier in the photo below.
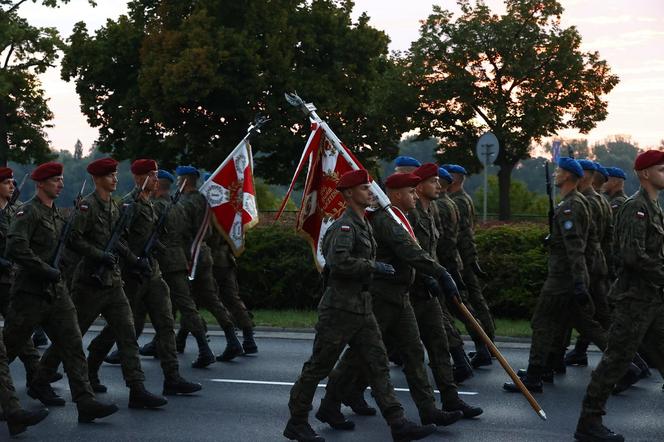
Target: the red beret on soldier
pixel 6 173
pixel 401 180
pixel 648 158
pixel 46 171
pixel 352 179
pixel 426 171
pixel 102 166
pixel 143 166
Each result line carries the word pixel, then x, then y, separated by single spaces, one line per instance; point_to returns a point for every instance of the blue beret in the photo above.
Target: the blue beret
pixel 206 176
pixel 571 165
pixel 587 164
pixel 187 170
pixel 406 162
pixel 616 172
pixel 602 170
pixel 444 174
pixel 165 175
pixel 455 168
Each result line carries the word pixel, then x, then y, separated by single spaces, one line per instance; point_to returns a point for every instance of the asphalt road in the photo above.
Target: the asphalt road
pixel 246 400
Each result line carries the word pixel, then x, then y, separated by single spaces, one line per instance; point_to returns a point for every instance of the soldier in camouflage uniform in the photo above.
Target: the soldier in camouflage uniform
pixel 39 297
pixel 471 267
pixel 204 288
pixel 637 295
pixel 614 189
pixel 404 164
pixel 346 318
pixel 97 287
pixel 145 288
pixel 564 301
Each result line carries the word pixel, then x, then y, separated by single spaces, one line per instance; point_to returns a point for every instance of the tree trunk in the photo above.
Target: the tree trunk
pixel 4 137
pixel 504 184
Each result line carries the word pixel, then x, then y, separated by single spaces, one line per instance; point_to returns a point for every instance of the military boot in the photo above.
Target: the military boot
pixel 468 411
pixel 330 413
pixel 590 429
pixel 532 381
pixel 359 405
pixel 547 375
pixel 462 369
pixel 205 355
pixel 630 378
pixel 45 394
pixel 441 418
pixel 39 338
pixel 54 377
pixel 113 358
pixel 405 430
pixel 139 397
pixel 395 358
pixel 149 349
pixel 181 340
pixel 248 343
pixel 19 421
pixel 178 385
pixel 482 356
pixel 233 346
pixel 92 409
pixel 577 357
pixel 93 375
pixel 301 431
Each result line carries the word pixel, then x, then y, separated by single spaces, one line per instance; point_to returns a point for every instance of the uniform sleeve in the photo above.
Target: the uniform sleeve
pixel 77 240
pixel 573 225
pixel 18 243
pixel 607 243
pixel 632 236
pixel 466 238
pixel 447 243
pixel 339 258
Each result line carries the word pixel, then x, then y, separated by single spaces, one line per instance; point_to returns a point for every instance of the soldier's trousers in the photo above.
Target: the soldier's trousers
pixel 454 338
pixel 8 399
pixel 634 321
pixel 112 304
pixel 28 355
pixel 149 296
pixel 229 293
pixel 182 300
pixel 557 311
pixel 599 289
pixel 480 307
pixel 58 319
pixel 336 329
pixel 206 295
pixel 429 315
pixel 398 327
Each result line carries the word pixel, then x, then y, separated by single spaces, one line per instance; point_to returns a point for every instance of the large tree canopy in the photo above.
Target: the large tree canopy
pixel 520 75
pixel 180 80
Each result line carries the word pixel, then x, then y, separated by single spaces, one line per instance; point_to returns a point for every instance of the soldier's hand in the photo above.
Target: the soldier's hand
pixel 449 287
pixel 108 259
pixel 383 268
pixel 5 263
pixel 581 295
pixel 478 270
pixel 433 287
pixel 52 274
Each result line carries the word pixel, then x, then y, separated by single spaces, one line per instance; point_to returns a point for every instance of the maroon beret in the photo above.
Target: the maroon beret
pixel 426 171
pixel 6 173
pixel 401 180
pixel 102 166
pixel 352 179
pixel 46 171
pixel 648 158
pixel 143 166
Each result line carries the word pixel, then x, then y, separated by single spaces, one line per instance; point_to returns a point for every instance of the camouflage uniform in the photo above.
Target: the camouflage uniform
pixel 345 317
pixel 637 295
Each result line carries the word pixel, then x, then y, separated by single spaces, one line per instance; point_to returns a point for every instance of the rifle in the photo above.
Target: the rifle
pixel 549 193
pixel 17 192
pixel 64 233
pixel 116 233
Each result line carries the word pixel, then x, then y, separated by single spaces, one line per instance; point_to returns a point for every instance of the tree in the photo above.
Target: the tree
pixel 180 80
pixel 78 150
pixel 520 75
pixel 27 51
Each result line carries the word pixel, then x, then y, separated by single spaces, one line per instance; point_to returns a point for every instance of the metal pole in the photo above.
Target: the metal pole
pixel 486 181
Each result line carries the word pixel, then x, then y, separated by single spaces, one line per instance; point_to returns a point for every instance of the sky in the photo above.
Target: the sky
pixel 628 34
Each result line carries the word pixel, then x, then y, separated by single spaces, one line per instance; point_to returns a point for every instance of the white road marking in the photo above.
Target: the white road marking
pixel 290 384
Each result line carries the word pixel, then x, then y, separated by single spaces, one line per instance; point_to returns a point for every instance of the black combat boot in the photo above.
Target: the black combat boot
pixel 441 418
pixel 39 338
pixel 139 397
pixel 45 394
pixel 91 409
pixel 547 375
pixel 19 421
pixel 181 339
pixel 359 405
pixel 93 375
pixel 113 358
pixel 482 356
pixel 54 377
pixel 330 413
pixel 395 358
pixel 462 369
pixel 468 411
pixel 630 378
pixel 532 381
pixel 178 385
pixel 205 355
pixel 405 430
pixel 233 346
pixel 248 343
pixel 590 429
pixel 578 356
pixel 149 349
pixel 301 431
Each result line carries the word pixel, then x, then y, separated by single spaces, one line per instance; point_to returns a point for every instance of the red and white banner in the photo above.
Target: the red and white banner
pixel 231 196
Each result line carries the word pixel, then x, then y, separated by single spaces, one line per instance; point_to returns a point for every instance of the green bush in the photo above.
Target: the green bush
pixel 277 270
pixel 516 260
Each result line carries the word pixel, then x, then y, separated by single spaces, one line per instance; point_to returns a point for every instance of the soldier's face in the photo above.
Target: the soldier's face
pixel 561 176
pixel 107 182
pixel 429 188
pixel 152 181
pixel 409 198
pixel 52 186
pixel 361 195
pixel 655 175
pixel 7 188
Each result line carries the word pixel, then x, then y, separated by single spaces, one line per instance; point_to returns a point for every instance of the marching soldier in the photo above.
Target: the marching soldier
pixel 145 288
pixel 614 188
pixel 346 318
pixel 97 287
pixel 639 306
pixel 39 297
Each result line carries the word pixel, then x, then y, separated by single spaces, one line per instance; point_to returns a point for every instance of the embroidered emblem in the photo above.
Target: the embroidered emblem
pixel 567 225
pixel 20 213
pixel 640 215
pixel 84 207
pixel 345 228
pixel 567 211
